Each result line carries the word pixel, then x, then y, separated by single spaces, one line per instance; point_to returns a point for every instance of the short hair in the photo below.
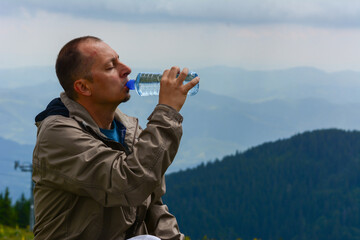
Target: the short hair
pixel 71 65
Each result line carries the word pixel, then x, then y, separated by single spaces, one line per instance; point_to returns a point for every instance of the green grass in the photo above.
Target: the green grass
pixel 10 233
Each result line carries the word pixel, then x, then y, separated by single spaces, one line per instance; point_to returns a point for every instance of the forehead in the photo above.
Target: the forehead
pixel 98 51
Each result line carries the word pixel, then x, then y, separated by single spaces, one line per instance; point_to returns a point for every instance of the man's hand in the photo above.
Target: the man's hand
pixel 172 90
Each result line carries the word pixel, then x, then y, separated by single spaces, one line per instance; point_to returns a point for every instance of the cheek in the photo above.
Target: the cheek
pixel 108 83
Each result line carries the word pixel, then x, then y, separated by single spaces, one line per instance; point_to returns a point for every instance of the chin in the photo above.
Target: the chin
pixel 127 98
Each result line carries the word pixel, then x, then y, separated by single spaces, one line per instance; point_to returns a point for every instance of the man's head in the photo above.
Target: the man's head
pixel 72 64
pixel 90 69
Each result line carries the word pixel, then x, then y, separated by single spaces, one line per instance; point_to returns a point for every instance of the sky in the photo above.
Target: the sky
pixel 254 35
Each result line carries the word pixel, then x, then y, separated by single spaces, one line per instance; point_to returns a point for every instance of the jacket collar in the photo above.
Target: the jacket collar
pixel 79 113
pixel 67 107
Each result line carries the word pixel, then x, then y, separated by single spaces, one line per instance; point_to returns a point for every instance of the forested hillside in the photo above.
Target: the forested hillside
pixel 305 187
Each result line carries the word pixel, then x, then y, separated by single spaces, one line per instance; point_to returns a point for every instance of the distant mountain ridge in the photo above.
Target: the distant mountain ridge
pixel 290 84
pixel 245 85
pixel 304 187
pixel 216 123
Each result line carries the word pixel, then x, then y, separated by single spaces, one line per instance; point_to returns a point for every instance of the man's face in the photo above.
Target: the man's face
pixel 109 75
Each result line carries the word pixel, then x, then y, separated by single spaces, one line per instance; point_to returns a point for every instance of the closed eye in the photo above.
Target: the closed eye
pixel 110 66
pixel 112 63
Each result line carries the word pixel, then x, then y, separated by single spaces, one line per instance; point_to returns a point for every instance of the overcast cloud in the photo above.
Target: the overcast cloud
pixel 330 13
pixel 253 34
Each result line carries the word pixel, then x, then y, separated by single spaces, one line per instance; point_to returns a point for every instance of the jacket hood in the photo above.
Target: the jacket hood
pixel 55 107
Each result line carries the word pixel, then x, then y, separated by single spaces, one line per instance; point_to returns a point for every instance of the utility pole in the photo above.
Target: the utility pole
pixel 28 168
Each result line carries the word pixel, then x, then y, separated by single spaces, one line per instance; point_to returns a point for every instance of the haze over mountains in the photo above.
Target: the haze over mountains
pixel 235 109
pixel 287 84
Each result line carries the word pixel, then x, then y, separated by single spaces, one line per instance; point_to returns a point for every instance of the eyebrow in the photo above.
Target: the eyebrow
pixel 113 59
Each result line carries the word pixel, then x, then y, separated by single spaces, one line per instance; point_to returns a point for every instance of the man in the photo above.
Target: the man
pixel 97 174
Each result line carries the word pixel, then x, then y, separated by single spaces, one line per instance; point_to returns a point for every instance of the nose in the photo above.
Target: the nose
pixel 124 70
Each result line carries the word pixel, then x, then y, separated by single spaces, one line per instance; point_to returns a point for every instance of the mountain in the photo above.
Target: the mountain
pixel 303 187
pixel 234 110
pixel 245 85
pixel 214 124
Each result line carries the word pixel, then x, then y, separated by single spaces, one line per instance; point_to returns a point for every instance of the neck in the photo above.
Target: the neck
pixel 103 115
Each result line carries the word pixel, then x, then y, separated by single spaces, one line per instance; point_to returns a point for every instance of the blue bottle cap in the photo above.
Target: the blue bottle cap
pixel 131 84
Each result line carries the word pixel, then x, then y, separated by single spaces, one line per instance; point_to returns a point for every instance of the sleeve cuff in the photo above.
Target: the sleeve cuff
pixel 168 111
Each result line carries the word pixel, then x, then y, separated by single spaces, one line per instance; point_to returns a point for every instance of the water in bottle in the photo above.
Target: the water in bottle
pixel 148 84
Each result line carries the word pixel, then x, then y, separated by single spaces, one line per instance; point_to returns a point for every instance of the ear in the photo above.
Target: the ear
pixel 82 87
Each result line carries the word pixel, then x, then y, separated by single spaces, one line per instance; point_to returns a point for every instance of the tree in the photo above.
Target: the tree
pixel 22 209
pixel 7 213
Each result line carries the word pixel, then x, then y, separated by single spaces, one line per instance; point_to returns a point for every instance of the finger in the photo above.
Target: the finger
pixel 191 84
pixel 173 72
pixel 182 75
pixel 166 73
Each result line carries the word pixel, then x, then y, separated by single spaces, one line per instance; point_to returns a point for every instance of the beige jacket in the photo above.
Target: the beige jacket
pixel 90 187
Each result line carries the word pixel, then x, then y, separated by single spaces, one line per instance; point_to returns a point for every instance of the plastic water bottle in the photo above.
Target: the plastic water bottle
pixel 148 84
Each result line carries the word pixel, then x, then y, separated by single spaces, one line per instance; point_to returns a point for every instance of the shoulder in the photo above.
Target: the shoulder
pixel 58 121
pixel 57 126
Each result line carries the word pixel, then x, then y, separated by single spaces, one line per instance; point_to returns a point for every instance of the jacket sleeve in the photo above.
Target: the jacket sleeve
pixel 67 157
pixel 159 221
